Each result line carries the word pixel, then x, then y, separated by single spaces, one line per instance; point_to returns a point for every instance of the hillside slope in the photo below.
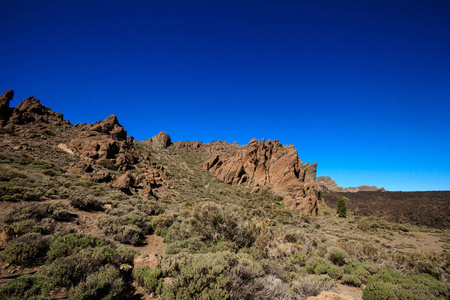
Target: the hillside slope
pixel 89 213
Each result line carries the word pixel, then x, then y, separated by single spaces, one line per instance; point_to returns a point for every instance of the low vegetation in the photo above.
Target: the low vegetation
pixel 78 239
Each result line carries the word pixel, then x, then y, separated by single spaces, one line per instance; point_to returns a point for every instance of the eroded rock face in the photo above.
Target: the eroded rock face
pixel 104 142
pixel 28 111
pixel 270 164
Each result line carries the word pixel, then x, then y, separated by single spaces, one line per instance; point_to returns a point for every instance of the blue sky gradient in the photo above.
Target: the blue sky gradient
pixel 361 87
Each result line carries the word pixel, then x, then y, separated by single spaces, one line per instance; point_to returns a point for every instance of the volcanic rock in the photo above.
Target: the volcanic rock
pixel 328 184
pixel 104 141
pixel 188 145
pixel 28 111
pixel 89 172
pixel 270 164
pixel 160 141
pixel 5 111
pixel 144 181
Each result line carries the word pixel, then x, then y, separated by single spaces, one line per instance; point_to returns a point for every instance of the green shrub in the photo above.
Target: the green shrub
pixel 211 276
pixel 86 203
pixel 106 283
pixel 120 231
pixel 26 249
pixel 26 287
pixel 351 280
pixel 317 265
pixel 107 163
pixel 60 211
pixel 70 270
pixel 337 256
pixel 72 243
pixel 147 278
pixel 162 223
pixel 379 290
pixel 335 272
pixel 341 208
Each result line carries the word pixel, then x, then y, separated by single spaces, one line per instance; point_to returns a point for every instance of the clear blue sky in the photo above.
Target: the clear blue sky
pixel 361 87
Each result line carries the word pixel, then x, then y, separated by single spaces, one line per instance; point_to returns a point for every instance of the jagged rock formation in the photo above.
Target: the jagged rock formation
pixel 270 164
pixel 106 142
pixel 328 184
pixel 28 111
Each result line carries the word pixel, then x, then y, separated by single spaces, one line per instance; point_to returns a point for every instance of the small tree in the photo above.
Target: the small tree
pixel 341 209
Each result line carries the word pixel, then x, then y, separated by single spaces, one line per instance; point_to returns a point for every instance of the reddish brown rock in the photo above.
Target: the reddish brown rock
pixel 28 111
pixel 328 184
pixel 270 164
pixel 5 111
pixel 104 140
pixel 87 171
pixel 6 233
pixel 160 141
pixel 31 110
pixel 187 145
pixel 144 181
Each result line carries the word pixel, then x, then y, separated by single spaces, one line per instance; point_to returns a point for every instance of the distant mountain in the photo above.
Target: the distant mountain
pixel 328 184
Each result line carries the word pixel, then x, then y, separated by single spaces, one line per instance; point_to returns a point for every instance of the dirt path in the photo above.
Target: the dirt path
pixel 152 253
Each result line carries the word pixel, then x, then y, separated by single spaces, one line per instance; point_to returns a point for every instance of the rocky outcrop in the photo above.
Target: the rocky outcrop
pixel 90 172
pixel 5 111
pixel 160 141
pixel 28 111
pixel 104 142
pixel 270 164
pixel 187 145
pixel 328 184
pixel 143 181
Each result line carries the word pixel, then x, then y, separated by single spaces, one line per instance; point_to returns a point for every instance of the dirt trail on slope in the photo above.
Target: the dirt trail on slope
pixel 152 253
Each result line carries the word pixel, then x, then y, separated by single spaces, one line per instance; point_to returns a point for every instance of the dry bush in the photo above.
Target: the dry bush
pixel 313 285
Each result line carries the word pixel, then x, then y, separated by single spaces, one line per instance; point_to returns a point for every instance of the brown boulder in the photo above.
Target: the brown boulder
pixel 6 233
pixel 160 141
pixel 270 164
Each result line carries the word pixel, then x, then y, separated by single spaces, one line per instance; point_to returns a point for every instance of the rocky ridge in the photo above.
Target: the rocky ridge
pixel 269 164
pixel 328 184
pixel 29 110
pixel 102 149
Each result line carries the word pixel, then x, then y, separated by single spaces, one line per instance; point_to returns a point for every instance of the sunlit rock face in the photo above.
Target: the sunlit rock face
pixel 273 165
